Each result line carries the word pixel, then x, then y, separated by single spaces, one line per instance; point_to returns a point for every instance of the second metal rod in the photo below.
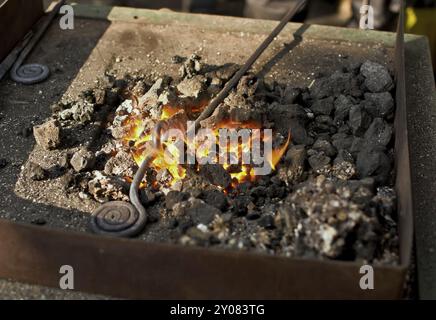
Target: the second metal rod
pixel 234 81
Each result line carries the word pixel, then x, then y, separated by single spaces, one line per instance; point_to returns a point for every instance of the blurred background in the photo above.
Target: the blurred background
pixel 420 14
pixel 330 12
pixel 333 12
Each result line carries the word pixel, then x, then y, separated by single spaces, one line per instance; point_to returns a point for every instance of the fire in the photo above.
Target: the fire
pixel 168 112
pixel 140 143
pixel 278 153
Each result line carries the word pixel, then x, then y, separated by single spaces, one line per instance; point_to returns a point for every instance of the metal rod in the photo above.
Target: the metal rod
pixel 139 176
pixel 9 61
pixel 234 81
pixel 134 187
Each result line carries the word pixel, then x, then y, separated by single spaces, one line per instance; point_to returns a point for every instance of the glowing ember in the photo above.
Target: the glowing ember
pixel 139 142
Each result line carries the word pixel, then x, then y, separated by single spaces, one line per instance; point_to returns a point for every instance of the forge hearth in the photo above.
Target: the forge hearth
pixel 329 193
pixel 174 258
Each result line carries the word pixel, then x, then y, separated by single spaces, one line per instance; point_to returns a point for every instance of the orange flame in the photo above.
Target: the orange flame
pixel 277 154
pixel 140 143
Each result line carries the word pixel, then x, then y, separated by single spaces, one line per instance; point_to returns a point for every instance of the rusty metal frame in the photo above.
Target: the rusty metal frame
pixel 135 269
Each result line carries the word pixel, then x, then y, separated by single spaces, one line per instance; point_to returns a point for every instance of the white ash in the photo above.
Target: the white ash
pixel 104 188
pixel 191 67
pixel 81 112
pixel 121 165
pixel 83 160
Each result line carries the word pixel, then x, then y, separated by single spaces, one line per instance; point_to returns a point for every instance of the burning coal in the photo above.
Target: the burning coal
pixel 326 151
pixel 243 149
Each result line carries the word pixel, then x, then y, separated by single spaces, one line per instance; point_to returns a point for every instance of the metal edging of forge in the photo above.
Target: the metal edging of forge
pixel 134 269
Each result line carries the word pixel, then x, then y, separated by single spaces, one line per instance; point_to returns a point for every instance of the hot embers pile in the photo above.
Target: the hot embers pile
pixel 330 196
